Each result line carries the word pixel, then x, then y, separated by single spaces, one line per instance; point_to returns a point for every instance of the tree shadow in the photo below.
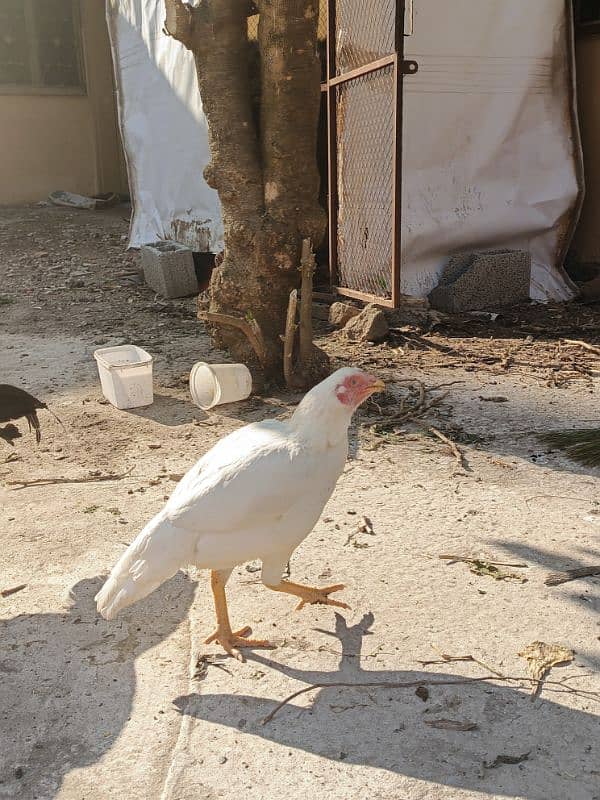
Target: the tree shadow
pixel 583 592
pixel 170 411
pixel 387 728
pixel 67 682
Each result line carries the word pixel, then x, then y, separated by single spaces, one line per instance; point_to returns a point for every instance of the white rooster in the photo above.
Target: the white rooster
pixel 257 494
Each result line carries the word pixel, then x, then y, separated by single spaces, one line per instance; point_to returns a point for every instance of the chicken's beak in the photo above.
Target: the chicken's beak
pixel 377 386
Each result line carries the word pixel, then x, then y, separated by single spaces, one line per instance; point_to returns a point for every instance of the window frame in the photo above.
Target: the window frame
pixel 39 88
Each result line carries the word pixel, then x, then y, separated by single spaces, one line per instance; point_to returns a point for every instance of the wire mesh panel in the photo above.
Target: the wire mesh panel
pixel 365 163
pixel 364 32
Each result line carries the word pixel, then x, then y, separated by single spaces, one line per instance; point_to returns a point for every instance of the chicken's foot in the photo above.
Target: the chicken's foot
pixel 228 639
pixel 310 594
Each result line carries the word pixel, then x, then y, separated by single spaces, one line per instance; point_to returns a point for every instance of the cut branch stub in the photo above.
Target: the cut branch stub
pixel 249 327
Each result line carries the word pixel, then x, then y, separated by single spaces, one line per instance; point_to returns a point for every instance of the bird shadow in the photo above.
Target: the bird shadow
pixel 67 683
pixel 393 730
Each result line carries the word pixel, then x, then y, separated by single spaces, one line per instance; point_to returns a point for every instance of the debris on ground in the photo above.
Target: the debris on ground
pixel 370 325
pixel 206 660
pixel 488 568
pixel 459 456
pixel 13 590
pixel 452 724
pixel 541 657
pixel 386 415
pixel 502 759
pixel 422 692
pixel 73 200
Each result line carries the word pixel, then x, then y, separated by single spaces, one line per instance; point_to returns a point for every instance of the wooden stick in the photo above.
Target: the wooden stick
pixel 289 339
pixel 458 455
pixel 13 590
pixel 51 481
pixel 556 578
pixel 585 345
pixel 307 267
pixel 468 560
pixel 249 327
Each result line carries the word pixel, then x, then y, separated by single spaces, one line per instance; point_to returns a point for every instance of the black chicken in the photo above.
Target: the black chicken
pixel 16 403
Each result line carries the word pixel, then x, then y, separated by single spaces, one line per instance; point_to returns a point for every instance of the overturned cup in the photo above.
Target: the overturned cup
pixel 216 384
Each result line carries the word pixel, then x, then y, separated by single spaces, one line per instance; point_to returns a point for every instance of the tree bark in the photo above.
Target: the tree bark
pixel 267 180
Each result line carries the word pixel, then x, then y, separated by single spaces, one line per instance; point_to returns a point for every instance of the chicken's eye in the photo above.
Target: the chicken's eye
pixel 353 381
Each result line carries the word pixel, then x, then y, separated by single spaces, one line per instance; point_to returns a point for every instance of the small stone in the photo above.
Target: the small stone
pixel 369 326
pixel 341 313
pixel 223 760
pixel 19 772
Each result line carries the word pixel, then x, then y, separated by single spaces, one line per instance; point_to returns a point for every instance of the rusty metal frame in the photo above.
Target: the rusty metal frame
pixel 400 68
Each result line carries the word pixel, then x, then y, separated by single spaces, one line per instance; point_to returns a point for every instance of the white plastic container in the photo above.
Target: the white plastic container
pixel 216 384
pixel 126 375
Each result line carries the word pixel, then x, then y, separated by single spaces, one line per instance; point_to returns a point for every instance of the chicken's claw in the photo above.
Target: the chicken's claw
pixel 231 640
pixel 320 595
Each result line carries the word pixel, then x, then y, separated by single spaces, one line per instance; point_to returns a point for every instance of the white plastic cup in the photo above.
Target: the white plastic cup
pixel 216 384
pixel 125 375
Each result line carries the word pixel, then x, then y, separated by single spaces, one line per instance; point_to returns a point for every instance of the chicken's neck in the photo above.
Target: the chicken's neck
pixel 322 422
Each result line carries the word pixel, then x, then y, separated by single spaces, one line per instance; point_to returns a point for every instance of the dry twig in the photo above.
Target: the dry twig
pixel 13 590
pixel 289 339
pixel 50 481
pixel 458 454
pixel 469 560
pixel 585 345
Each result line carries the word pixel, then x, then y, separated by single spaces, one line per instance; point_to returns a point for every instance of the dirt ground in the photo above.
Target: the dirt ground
pixel 139 709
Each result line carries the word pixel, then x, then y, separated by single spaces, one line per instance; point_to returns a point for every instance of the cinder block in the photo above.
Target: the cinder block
pixel 169 269
pixel 472 281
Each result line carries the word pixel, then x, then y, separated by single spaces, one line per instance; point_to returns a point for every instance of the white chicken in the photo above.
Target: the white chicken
pixel 255 495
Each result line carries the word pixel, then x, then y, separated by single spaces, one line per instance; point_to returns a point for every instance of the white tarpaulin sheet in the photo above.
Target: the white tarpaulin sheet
pixel 491 149
pixel 163 128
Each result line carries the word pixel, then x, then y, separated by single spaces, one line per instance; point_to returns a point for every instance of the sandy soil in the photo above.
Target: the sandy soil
pixel 94 710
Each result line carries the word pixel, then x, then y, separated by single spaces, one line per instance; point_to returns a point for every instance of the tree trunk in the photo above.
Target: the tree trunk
pixel 267 178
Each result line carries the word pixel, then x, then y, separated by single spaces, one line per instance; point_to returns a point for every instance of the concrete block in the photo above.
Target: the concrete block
pixel 472 281
pixel 169 269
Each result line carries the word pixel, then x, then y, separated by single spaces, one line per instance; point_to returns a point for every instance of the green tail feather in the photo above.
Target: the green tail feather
pixel 581 445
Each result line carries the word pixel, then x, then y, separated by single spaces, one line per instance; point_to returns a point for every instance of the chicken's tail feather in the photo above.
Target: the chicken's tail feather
pixel 152 558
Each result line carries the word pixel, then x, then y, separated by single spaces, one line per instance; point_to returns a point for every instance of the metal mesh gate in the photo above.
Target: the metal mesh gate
pixel 365 49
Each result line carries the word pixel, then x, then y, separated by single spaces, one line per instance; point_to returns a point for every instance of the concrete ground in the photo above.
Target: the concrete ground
pixel 139 709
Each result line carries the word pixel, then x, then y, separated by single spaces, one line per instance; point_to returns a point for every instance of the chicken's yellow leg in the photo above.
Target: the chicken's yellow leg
pixel 227 638
pixel 310 594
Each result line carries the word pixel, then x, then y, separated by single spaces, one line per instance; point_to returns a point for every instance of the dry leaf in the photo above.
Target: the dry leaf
pixel 479 567
pixel 451 724
pixel 505 759
pixel 541 657
pixel 366 526
pixel 422 693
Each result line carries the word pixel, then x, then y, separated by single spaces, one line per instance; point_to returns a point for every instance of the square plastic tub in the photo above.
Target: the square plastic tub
pixel 126 375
